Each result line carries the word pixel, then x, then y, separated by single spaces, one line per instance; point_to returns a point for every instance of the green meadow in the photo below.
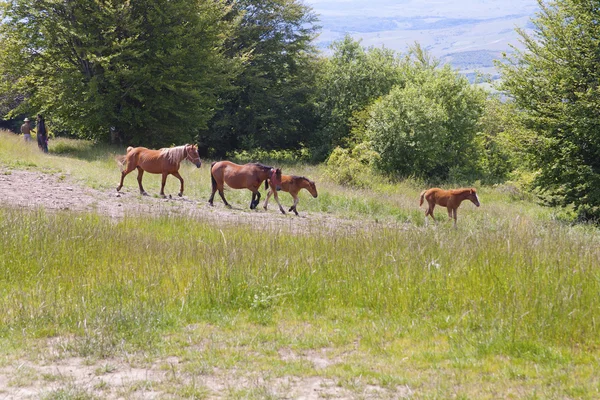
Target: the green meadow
pixel 507 305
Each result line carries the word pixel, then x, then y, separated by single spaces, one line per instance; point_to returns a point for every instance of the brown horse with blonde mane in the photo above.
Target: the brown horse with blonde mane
pixel 164 161
pixel 450 199
pixel 292 184
pixel 248 176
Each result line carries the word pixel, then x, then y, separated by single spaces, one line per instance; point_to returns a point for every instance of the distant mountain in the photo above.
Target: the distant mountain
pixel 468 34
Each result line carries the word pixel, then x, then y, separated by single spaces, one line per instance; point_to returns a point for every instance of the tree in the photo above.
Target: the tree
pixel 148 69
pixel 350 81
pixel 501 142
pixel 426 127
pixel 554 82
pixel 269 104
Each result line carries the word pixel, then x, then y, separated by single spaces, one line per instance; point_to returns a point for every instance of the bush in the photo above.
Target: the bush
pixel 353 167
pixel 271 156
pixel 427 128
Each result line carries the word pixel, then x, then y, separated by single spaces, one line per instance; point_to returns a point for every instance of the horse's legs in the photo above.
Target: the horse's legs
pixel 223 197
pixel 176 175
pixel 277 200
pixel 255 199
pixel 293 208
pixel 212 196
pixel 430 211
pixel 269 193
pixel 454 216
pixel 123 175
pixel 139 179
pixel 162 183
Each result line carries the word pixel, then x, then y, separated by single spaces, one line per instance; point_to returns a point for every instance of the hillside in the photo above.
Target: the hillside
pixel 469 34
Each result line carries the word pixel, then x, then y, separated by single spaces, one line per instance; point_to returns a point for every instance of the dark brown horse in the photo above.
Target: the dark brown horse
pixel 292 184
pixel 248 176
pixel 164 161
pixel 450 199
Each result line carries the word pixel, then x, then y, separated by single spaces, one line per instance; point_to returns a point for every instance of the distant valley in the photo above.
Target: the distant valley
pixel 468 34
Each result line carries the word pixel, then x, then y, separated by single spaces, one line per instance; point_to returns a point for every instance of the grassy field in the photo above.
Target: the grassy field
pixel 505 306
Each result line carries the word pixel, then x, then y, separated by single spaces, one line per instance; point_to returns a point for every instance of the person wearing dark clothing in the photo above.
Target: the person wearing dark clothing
pixel 42 134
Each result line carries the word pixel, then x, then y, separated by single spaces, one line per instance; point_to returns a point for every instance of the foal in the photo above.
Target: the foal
pixel 450 199
pixel 292 184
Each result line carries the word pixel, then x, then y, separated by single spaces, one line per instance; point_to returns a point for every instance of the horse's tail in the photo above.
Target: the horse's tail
pixel 212 177
pixel 122 159
pixel 422 198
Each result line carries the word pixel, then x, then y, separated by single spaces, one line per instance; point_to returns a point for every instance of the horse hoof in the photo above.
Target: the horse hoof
pixel 180 194
pixel 228 205
pixel 144 194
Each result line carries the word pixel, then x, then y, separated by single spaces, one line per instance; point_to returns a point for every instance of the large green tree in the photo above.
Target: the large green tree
pixel 555 83
pixel 147 69
pixel 269 104
pixel 349 82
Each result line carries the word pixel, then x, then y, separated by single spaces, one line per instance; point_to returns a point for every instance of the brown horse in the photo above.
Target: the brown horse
pixel 292 184
pixel 450 199
pixel 248 176
pixel 164 161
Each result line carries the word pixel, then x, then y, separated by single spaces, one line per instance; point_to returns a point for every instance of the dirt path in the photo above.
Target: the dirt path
pixel 29 189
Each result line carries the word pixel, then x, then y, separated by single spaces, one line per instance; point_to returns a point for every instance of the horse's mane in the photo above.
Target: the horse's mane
pixel 263 166
pixel 462 190
pixel 296 177
pixel 174 154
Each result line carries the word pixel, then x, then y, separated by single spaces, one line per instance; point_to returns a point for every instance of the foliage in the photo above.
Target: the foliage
pixel 278 156
pixel 501 141
pixel 352 167
pixel 349 81
pixel 554 83
pixel 269 104
pixel 426 127
pixel 147 70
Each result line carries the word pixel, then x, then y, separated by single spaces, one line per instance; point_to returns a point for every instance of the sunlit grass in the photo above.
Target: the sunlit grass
pixel 506 305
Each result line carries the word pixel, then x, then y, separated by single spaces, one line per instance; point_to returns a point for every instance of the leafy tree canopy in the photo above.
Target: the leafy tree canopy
pixel 147 69
pixel 269 104
pixel 554 82
pixel 350 80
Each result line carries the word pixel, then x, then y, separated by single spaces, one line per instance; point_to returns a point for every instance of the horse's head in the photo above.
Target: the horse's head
pixel 311 187
pixel 191 153
pixel 473 196
pixel 275 177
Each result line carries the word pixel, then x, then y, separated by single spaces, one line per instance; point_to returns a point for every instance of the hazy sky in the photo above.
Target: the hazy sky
pixel 423 8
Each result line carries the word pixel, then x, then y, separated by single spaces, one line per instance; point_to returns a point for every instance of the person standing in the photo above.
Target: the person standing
pixel 26 130
pixel 42 133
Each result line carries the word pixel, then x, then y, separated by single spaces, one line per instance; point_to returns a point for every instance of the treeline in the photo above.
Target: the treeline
pixel 236 75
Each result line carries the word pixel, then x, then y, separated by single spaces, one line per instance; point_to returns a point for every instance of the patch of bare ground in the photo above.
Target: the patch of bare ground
pixel 114 378
pixel 54 192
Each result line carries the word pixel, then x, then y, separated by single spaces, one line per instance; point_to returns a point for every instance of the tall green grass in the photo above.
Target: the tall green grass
pixel 509 298
pixel 519 283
